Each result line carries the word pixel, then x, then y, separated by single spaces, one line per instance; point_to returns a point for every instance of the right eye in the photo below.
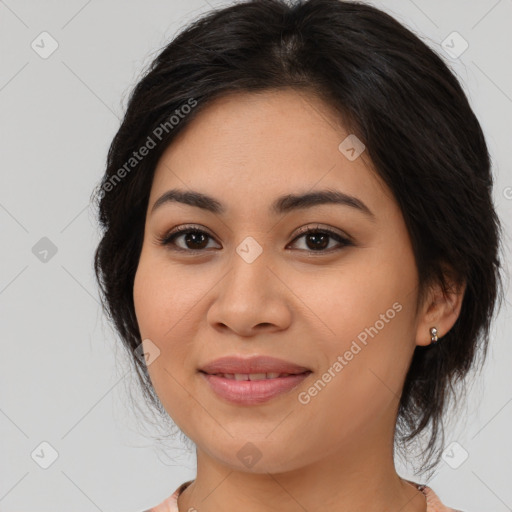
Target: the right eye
pixel 193 239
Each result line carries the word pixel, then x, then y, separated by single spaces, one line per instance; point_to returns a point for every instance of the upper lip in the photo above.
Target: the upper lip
pixel 254 364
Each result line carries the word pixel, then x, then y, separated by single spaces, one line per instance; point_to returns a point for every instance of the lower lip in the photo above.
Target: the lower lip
pixel 251 392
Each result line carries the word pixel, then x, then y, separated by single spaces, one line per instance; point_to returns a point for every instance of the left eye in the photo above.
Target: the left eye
pixel 317 239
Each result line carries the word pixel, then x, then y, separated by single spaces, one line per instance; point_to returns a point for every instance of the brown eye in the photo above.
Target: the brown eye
pixel 193 239
pixel 317 239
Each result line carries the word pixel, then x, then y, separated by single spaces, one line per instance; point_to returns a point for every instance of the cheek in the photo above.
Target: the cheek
pixel 365 291
pixel 164 297
pixel 157 308
pixel 369 308
pixel 167 302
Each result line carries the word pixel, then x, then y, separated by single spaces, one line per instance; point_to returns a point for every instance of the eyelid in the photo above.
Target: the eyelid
pixel 324 228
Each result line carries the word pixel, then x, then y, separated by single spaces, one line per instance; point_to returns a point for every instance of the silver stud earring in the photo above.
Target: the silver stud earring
pixel 433 334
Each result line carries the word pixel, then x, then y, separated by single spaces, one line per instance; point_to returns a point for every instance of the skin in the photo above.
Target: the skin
pixel 335 452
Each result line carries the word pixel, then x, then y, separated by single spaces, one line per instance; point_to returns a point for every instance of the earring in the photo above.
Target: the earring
pixel 433 334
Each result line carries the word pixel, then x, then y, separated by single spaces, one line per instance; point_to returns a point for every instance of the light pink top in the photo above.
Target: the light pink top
pixel 433 502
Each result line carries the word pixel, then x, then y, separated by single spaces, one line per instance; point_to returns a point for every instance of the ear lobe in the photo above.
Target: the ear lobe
pixel 440 310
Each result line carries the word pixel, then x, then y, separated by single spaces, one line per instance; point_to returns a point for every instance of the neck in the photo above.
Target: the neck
pixel 360 476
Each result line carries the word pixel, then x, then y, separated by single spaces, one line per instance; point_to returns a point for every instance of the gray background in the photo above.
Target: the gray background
pixel 63 379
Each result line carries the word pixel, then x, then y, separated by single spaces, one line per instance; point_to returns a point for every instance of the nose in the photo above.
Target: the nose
pixel 250 299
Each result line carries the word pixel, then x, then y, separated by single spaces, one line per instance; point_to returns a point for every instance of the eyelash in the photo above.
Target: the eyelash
pixel 169 238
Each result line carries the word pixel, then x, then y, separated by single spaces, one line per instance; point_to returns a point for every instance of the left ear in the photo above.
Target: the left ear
pixel 440 309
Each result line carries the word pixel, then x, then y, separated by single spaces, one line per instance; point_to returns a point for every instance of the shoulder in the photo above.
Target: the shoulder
pixel 170 504
pixel 434 504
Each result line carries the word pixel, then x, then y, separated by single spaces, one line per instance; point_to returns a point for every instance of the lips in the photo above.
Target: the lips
pixel 252 376
pixel 255 366
pixel 252 381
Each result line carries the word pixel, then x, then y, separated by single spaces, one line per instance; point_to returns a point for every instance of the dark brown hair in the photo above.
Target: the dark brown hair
pixel 392 91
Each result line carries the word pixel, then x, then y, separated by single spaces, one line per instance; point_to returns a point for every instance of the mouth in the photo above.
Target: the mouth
pixel 252 381
pixel 254 376
pixel 241 390
pixel 252 368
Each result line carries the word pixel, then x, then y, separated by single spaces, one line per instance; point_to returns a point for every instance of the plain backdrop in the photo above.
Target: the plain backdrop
pixel 63 381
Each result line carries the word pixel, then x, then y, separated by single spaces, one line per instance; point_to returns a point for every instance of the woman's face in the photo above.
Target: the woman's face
pixel 252 284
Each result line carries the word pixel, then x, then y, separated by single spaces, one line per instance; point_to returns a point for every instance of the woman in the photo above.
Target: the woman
pixel 300 252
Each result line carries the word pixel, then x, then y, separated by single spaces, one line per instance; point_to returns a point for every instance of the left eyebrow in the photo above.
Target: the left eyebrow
pixel 291 202
pixel 282 204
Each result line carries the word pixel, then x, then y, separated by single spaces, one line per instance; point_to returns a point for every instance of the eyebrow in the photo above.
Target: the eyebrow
pixel 282 204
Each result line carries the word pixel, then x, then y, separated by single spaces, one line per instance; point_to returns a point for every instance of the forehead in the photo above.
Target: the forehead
pixel 257 146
